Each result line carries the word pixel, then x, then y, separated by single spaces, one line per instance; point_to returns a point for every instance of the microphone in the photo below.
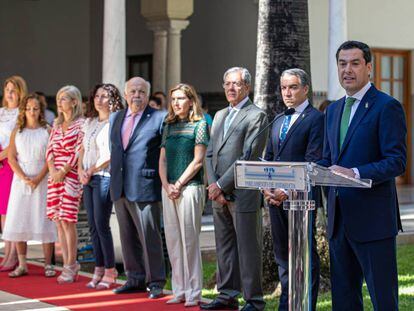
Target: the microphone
pixel 287 112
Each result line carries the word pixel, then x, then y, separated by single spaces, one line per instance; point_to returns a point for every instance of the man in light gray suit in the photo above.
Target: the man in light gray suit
pixel 135 135
pixel 237 217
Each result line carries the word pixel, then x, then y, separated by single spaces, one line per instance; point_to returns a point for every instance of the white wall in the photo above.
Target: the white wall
pixel 379 23
pixel 318 39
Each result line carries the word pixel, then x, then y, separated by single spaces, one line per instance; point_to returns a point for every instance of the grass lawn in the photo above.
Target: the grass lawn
pixel 405 257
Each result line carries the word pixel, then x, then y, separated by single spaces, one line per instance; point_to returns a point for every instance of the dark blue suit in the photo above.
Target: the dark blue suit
pixel 363 223
pixel 134 171
pixel 136 192
pixel 303 142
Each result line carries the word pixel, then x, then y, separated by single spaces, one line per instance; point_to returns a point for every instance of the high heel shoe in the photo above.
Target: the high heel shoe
pixel 108 279
pixel 69 274
pixel 98 273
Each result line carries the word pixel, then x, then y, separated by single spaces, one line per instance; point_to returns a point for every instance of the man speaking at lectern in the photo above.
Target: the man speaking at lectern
pixel 296 135
pixel 365 135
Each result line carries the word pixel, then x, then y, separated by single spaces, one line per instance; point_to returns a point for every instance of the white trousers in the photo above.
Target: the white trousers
pixel 182 224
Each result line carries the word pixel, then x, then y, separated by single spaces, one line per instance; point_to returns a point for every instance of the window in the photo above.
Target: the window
pixel 141 66
pixel 391 74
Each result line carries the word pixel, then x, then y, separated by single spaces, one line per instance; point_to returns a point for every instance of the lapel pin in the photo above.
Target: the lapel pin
pixel 366 105
pixel 148 115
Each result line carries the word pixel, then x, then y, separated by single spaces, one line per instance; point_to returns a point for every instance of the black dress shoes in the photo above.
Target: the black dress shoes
pixel 218 305
pixel 155 292
pixel 249 307
pixel 128 288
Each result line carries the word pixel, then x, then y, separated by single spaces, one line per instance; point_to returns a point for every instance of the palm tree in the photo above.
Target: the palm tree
pixel 282 43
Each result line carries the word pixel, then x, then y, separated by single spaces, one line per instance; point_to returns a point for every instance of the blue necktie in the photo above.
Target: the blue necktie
pixel 285 128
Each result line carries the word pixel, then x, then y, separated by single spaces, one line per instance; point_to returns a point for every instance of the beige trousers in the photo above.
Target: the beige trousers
pixel 182 224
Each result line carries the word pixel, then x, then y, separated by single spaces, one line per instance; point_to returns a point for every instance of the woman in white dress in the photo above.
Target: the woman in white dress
pixel 26 215
pixel 15 90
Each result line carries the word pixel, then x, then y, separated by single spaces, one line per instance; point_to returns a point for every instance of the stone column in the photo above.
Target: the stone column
pixel 159 74
pixel 166 18
pixel 174 52
pixel 114 48
pixel 337 35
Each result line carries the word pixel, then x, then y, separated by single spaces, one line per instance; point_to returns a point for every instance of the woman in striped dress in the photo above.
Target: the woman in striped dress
pixel 64 189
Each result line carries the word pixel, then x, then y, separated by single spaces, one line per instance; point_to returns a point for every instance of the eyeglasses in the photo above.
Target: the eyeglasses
pixel 236 84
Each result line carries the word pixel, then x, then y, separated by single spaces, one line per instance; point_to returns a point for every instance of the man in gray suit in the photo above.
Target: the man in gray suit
pixel 135 135
pixel 237 216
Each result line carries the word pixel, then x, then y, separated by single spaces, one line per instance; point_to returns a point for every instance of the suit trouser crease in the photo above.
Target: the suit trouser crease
pixel 99 208
pixel 239 254
pixel 182 223
pixel 351 261
pixel 139 227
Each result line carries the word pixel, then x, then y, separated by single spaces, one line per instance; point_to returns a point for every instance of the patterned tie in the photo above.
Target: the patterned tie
pixel 228 120
pixel 285 128
pixel 129 126
pixel 346 115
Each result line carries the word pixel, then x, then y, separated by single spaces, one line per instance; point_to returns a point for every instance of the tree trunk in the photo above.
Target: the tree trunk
pixel 282 43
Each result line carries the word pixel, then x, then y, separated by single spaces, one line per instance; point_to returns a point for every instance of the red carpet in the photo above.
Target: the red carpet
pixel 76 296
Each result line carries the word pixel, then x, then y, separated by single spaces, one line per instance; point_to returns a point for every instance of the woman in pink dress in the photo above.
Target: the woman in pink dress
pixel 15 90
pixel 64 189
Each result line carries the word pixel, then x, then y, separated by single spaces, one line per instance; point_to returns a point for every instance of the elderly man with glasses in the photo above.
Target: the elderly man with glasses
pixel 237 217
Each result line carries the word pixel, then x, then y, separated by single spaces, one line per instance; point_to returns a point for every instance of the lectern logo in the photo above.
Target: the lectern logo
pixel 269 171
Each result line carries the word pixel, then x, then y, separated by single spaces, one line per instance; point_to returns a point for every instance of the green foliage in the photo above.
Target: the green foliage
pixel 405 255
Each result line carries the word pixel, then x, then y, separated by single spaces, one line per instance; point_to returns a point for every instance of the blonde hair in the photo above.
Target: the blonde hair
pixel 74 94
pixel 195 114
pixel 20 86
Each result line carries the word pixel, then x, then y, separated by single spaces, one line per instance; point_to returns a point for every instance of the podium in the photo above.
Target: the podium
pixel 297 178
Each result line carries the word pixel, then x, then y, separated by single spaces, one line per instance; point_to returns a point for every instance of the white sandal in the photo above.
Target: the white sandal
pixel 108 279
pixel 97 277
pixel 50 271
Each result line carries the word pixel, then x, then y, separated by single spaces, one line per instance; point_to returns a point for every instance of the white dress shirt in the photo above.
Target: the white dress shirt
pixel 358 96
pixel 298 110
pixel 237 108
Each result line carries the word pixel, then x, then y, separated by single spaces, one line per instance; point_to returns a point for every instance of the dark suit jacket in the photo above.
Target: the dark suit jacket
pixel 134 171
pixel 375 144
pixel 303 141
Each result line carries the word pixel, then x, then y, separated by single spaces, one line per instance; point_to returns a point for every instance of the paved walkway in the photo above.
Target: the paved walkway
pixel 10 302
